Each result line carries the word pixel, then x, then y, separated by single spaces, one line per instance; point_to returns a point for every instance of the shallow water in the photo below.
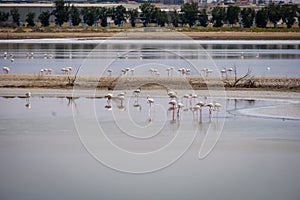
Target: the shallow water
pixel 42 155
pixel 265 59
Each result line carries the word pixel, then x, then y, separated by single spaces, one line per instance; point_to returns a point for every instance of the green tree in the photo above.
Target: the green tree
pixel 148 13
pixel 75 16
pixel 15 16
pixel 248 15
pixel 103 14
pixel 30 19
pixel 218 16
pixel 190 13
pixel 61 12
pixel 203 18
pixel 289 14
pixel 298 16
pixel 232 14
pixel 261 18
pixel 118 15
pixel 133 14
pixel 161 17
pixel 3 16
pixel 90 15
pixel 274 13
pixel 44 18
pixel 174 17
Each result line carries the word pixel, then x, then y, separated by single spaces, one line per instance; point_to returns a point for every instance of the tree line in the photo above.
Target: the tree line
pixel 189 14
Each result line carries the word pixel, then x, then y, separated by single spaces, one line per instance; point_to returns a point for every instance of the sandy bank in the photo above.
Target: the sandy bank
pixel 8 34
pixel 150 83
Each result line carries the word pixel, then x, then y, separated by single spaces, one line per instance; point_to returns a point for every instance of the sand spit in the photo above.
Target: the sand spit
pixel 150 83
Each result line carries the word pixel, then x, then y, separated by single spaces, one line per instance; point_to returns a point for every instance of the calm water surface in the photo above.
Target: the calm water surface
pixel 42 156
pixel 264 58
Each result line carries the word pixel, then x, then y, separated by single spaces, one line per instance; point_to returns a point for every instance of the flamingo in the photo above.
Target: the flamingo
pixel 5 70
pixel 150 101
pixel 171 71
pixel 132 72
pixel 108 97
pixel 217 107
pixel 186 97
pixel 223 71
pixel 41 72
pixel 49 71
pixel 109 72
pixel 210 106
pixel 194 96
pixel 69 69
pixel 121 97
pixel 179 106
pixel 27 96
pixel 137 92
pixel 208 72
pixel 188 71
pixel 173 104
pixel 180 71
pixel 172 95
pixel 168 71
pixel 123 71
pixel 152 71
pixel 65 71
pixel 201 105
pixel 230 70
pixel 195 108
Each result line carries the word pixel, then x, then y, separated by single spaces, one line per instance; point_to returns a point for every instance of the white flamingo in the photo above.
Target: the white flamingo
pixel 69 69
pixel 210 109
pixel 173 105
pixel 41 72
pixel 201 105
pixel 223 72
pixel 5 70
pixel 230 70
pixel 168 71
pixel 179 106
pixel 150 101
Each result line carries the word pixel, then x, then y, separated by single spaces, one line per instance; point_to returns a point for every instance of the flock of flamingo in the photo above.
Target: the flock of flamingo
pixel 43 71
pixel 205 72
pixel 175 103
